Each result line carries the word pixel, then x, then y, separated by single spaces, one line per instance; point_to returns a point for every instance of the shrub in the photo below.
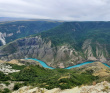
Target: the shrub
pixel 6 90
pixel 17 86
pixel 6 83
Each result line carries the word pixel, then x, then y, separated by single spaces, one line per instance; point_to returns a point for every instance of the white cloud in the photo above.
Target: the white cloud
pixel 78 10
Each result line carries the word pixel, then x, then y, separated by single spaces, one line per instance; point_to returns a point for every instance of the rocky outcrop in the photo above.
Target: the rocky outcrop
pixel 103 87
pixel 2 38
pixel 6 69
pixel 58 56
pixel 88 50
pixel 36 47
pixel 98 54
pixel 10 86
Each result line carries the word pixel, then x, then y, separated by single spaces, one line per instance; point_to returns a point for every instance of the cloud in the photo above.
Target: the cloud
pixel 72 10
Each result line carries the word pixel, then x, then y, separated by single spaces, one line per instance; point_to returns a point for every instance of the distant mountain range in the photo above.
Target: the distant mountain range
pixel 7 19
pixel 4 19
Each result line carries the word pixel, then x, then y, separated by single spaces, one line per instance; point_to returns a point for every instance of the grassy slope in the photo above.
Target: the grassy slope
pixel 40 77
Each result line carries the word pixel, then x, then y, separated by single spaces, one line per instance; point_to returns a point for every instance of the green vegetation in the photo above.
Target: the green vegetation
pixel 75 33
pixel 17 67
pixel 6 83
pixel 6 90
pixel 17 86
pixel 4 77
pixel 46 78
pixel 19 29
pixel 37 76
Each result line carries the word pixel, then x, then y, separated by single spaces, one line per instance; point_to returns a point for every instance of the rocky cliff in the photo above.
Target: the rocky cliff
pixel 57 56
pixel 68 44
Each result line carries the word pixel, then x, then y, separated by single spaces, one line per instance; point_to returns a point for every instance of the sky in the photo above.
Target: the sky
pixel 68 10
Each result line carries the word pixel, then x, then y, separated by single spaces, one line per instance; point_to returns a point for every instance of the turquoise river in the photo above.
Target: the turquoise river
pixel 78 65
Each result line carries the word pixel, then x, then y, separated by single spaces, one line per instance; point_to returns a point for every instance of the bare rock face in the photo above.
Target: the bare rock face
pixel 58 56
pixel 10 86
pixel 6 69
pixel 88 50
pixel 2 38
pixel 36 47
pixel 103 87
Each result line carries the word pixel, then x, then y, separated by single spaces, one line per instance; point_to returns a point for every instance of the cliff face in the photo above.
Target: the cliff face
pixel 99 54
pixel 57 56
pixel 2 39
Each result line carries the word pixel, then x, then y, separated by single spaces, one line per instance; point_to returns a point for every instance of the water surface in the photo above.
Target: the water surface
pixel 41 62
pixel 78 65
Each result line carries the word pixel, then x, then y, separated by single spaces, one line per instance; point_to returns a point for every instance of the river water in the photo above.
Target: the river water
pixel 78 65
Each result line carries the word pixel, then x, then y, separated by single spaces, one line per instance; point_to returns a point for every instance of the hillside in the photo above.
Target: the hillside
pixel 103 87
pixel 32 78
pixel 67 44
pixel 10 31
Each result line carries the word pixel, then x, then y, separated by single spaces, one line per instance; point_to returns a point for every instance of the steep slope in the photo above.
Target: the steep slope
pixel 68 44
pixel 36 47
pixel 10 31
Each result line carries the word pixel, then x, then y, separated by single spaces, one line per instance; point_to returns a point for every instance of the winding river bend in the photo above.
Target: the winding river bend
pixel 78 65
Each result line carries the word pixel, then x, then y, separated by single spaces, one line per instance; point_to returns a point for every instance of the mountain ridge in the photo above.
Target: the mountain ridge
pixel 69 44
pixel 9 31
